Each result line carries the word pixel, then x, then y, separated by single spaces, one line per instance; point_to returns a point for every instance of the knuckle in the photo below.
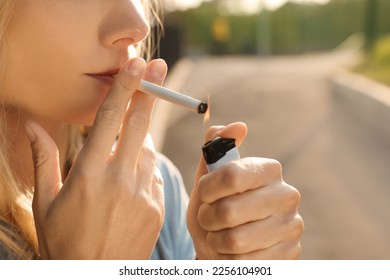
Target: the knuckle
pixel 158 178
pixel 299 226
pixel 276 168
pixel 203 214
pixel 109 116
pixel 41 157
pixel 143 200
pixel 292 197
pixel 230 175
pixel 203 190
pixel 294 228
pixel 225 212
pixel 147 169
pixel 157 181
pixel 294 251
pixel 296 198
pixel 126 84
pixel 233 241
pixel 297 251
pixel 138 121
pixel 150 153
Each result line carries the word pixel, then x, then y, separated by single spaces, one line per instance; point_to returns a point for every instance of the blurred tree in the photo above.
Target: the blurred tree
pixel 371 23
pixel 221 34
pixel 221 30
pixel 263 31
pixel 382 22
pixel 293 28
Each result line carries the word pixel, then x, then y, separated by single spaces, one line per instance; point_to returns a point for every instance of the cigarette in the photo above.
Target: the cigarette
pixel 174 97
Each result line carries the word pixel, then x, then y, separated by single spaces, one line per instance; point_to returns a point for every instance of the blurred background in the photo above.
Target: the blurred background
pixel 309 78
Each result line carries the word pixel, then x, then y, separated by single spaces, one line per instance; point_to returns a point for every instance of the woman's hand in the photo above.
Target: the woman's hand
pixel 111 206
pixel 244 210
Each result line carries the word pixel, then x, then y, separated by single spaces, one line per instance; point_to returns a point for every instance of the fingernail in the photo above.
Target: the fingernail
pixel 30 132
pixel 156 71
pixel 136 67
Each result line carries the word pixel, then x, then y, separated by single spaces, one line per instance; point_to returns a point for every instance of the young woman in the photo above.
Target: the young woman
pixel 66 64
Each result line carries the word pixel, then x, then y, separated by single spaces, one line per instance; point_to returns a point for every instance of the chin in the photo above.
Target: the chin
pixel 83 111
pixel 87 120
pixel 83 118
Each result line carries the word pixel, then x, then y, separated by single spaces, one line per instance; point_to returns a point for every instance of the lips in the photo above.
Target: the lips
pixel 106 77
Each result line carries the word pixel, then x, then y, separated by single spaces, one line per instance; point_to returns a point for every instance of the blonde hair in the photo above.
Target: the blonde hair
pixel 17 229
pixel 154 14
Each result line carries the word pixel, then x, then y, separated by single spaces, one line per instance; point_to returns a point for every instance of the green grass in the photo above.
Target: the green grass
pixel 376 64
pixel 380 74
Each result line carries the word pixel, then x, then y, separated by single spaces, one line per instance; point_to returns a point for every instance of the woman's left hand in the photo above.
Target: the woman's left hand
pixel 244 210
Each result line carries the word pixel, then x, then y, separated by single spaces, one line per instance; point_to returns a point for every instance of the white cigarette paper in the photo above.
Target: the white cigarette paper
pixel 174 97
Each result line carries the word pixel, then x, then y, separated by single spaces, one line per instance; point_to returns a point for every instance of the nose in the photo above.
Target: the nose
pixel 124 24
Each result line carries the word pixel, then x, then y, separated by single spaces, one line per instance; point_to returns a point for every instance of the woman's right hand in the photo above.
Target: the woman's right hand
pixel 111 206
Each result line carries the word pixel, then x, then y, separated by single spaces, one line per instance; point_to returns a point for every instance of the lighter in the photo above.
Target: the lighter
pixel 219 151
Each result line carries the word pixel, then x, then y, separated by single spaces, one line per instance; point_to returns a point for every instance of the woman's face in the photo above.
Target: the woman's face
pixel 62 54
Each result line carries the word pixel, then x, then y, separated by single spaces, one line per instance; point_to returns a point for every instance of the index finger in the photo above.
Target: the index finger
pixel 137 121
pixel 238 177
pixel 111 113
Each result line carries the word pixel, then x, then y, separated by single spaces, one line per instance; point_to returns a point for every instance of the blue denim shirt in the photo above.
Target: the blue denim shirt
pixel 174 242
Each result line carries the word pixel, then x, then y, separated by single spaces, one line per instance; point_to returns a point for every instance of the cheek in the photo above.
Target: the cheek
pixel 44 69
pixel 64 97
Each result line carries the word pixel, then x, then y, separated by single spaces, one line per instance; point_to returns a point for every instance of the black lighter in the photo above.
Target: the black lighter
pixel 219 151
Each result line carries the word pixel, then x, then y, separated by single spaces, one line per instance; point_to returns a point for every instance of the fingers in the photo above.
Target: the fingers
pixel 286 250
pixel 47 174
pixel 146 164
pixel 261 223
pixel 112 112
pixel 236 130
pixel 243 208
pixel 256 235
pixel 249 206
pixel 137 121
pixel 239 176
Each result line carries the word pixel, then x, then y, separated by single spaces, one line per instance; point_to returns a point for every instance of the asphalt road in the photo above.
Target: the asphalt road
pixel 340 166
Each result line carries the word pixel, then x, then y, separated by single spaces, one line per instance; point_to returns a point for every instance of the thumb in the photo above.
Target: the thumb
pixel 47 174
pixel 237 130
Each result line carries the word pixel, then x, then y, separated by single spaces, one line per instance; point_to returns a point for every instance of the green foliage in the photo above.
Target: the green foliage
pixel 300 28
pixel 376 65
pixel 380 54
pixel 197 29
pixel 293 28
